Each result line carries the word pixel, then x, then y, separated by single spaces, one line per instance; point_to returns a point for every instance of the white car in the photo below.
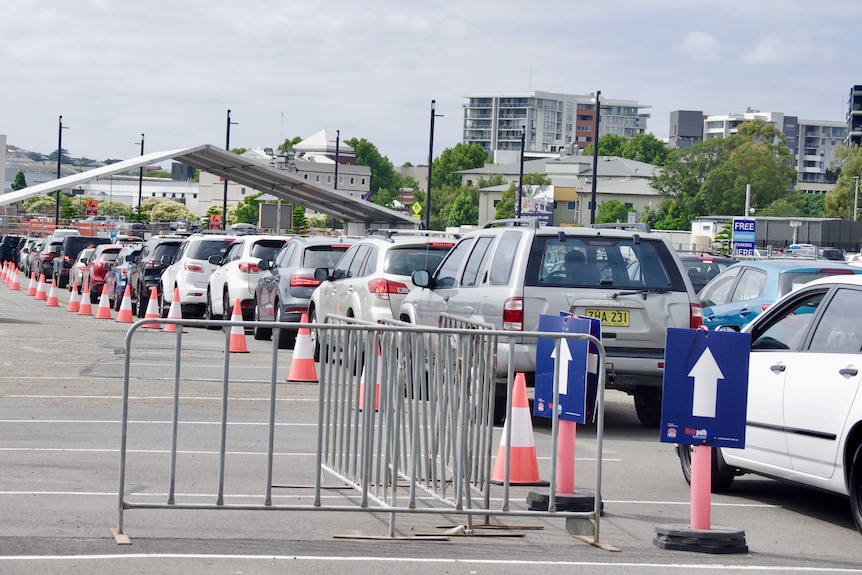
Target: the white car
pixel 804 418
pixel 374 275
pixel 190 272
pixel 237 273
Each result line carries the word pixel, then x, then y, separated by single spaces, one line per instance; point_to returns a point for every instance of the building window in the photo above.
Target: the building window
pixel 496 202
pixel 195 196
pixel 630 205
pixel 363 181
pixel 317 178
pixel 328 179
pixel 352 181
pixel 571 205
pixel 305 176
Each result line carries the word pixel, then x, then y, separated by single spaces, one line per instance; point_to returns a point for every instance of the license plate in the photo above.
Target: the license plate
pixel 610 317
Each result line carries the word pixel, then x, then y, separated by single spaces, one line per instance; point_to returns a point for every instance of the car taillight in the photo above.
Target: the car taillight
pixel 66 259
pixel 105 265
pixel 193 267
pixel 765 306
pixel 249 267
pixel 513 314
pixel 836 272
pixel 303 281
pixel 696 316
pixel 381 288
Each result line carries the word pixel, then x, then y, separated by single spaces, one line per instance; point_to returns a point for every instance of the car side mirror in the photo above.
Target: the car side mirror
pixel 321 274
pixel 215 260
pixel 265 264
pixel 421 278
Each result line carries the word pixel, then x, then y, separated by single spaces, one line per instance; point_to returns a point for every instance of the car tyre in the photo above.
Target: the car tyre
pixel 164 307
pixel 313 335
pixel 721 480
pixel 138 303
pixel 208 312
pixel 286 337
pixel 648 405
pixel 260 333
pixel 854 485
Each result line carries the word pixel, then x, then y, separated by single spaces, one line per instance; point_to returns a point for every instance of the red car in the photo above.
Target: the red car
pixel 98 264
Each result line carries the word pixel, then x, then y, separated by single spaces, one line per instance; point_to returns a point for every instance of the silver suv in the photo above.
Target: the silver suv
pixel 512 271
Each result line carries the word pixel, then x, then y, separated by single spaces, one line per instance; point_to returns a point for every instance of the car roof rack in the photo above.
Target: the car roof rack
pixel 389 233
pixel 634 226
pixel 527 222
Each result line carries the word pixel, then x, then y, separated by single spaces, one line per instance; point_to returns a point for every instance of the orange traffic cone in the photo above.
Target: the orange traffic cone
pixel 75 300
pixel 40 289
pixel 125 314
pixel 104 309
pixel 379 378
pixel 16 282
pixel 4 273
pixel 52 300
pixel 175 312
pixel 524 467
pixel 302 365
pixel 31 288
pixel 153 309
pixel 237 332
pixel 86 307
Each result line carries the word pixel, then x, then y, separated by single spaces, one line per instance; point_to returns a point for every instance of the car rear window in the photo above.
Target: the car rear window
pixel 202 250
pixel 323 256
pixel 266 249
pixel 602 262
pixel 789 281
pixel 166 249
pixel 110 256
pixel 404 261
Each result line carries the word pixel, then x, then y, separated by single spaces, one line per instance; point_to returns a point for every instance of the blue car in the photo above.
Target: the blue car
pixel 742 291
pixel 115 279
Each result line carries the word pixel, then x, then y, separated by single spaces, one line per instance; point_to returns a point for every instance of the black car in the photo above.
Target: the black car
pixel 146 273
pixel 703 266
pixel 9 245
pixel 69 249
pixel 45 258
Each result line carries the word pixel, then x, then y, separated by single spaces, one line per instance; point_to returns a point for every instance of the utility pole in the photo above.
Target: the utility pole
pixel 140 176
pixel 430 161
pixel 520 194
pixel 224 200
pixel 595 159
pixel 59 164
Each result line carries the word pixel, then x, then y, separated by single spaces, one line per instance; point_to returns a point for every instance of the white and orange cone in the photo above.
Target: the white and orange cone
pixel 104 309
pixel 15 285
pixel 125 314
pixel 175 312
pixel 86 307
pixel 41 294
pixel 237 332
pixel 75 300
pixel 31 288
pixel 153 309
pixel 302 365
pixel 51 300
pixel 524 466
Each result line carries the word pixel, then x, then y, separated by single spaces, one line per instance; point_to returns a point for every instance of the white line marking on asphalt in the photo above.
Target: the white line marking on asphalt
pixel 164 397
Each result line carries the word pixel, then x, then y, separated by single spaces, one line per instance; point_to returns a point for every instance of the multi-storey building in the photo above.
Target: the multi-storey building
pixel 551 122
pixel 854 117
pixel 686 128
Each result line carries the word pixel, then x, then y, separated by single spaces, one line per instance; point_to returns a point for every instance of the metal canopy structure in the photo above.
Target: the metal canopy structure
pixel 255 175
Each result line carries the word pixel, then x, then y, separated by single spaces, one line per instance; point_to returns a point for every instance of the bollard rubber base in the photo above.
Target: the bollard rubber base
pixel 718 540
pixel 580 500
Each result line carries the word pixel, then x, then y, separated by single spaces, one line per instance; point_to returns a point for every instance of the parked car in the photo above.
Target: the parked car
pixel 98 265
pixel 372 278
pixel 44 263
pixel 190 272
pixel 9 246
pixel 283 294
pixel 236 275
pixel 703 266
pixel 71 246
pixel 33 257
pixel 146 273
pixel 76 272
pixel 804 412
pixel 511 272
pixel 24 256
pixel 115 281
pixel 742 291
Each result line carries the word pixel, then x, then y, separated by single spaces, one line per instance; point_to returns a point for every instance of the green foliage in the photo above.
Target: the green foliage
pixel 506 205
pixel 839 201
pixel 20 181
pixel 165 210
pixel 642 148
pixel 722 241
pixel 65 159
pixel 383 174
pixel 300 224
pixel 289 143
pixel 197 177
pixel 462 157
pixel 166 175
pixel 248 210
pixel 239 151
pixel 611 212
pixel 385 198
pixel 44 204
pixel 464 210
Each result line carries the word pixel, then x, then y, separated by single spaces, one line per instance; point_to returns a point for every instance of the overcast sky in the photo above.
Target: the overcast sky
pixel 370 68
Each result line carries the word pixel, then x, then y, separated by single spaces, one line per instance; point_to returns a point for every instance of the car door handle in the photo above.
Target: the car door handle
pixel 851 371
pixel 778 368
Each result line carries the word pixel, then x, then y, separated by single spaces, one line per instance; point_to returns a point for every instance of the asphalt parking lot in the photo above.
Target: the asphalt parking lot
pixel 60 408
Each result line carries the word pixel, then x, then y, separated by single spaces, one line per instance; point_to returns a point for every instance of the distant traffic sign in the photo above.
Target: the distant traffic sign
pixel 705 392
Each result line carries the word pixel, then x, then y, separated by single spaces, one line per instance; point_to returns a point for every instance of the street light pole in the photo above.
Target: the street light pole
pixel 595 159
pixel 856 199
pixel 430 161
pixel 520 194
pixel 140 175
pixel 59 164
pixel 224 200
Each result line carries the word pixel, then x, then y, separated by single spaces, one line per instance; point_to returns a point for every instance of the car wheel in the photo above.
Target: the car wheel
pixel 286 337
pixel 164 307
pixel 260 333
pixel 648 405
pixel 720 479
pixel 313 335
pixel 116 303
pixel 208 311
pixel 854 484
pixel 140 305
pixel 226 307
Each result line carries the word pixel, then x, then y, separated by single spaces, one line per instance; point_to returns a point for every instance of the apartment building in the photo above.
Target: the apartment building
pixel 551 122
pixel 854 117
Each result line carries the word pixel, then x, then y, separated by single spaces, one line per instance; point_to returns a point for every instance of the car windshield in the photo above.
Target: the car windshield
pixel 403 261
pixel 202 250
pixel 323 256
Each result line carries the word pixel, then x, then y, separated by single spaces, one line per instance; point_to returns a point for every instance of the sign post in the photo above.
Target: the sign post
pixel 743 239
pixel 704 405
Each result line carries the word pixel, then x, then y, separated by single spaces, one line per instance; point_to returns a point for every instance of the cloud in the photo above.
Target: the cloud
pixel 701 46
pixel 770 50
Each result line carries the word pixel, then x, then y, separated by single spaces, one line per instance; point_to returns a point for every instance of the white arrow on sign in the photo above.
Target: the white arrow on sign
pixel 706 374
pixel 563 365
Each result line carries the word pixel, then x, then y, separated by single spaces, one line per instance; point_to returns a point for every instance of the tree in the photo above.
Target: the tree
pixel 165 210
pixel 506 205
pixel 452 160
pixel 609 145
pixel 20 181
pixel 464 211
pixel 248 210
pixel 641 147
pixel 300 224
pixel 383 174
pixel 52 157
pixel 839 201
pixel 612 211
pixel 289 143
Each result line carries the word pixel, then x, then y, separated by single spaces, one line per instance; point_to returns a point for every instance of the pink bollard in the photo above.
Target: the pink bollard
pixel 701 486
pixel 566 457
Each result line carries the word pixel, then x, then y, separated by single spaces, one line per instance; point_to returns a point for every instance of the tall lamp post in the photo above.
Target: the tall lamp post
pixel 140 175
pixel 59 164
pixel 430 161
pixel 595 159
pixel 856 199
pixel 337 145
pixel 224 200
pixel 521 176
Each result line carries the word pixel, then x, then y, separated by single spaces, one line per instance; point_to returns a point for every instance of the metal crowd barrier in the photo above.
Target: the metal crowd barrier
pixel 402 409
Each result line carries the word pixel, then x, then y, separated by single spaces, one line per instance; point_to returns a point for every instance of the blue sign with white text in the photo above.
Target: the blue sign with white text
pixel 705 394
